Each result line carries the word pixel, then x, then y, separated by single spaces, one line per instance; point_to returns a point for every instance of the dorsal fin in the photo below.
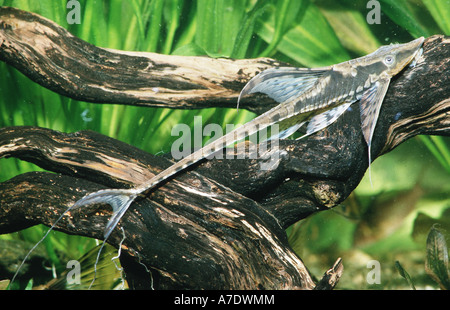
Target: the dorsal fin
pixel 282 84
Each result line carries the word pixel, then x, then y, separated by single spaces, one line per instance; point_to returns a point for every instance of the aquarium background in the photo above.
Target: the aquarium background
pixel 388 223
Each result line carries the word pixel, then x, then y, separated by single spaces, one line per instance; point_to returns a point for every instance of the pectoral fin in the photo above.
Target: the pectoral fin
pixel 286 133
pixel 289 126
pixel 370 105
pixel 314 124
pixel 326 118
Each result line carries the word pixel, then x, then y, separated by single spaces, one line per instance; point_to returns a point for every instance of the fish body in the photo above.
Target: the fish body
pixel 314 98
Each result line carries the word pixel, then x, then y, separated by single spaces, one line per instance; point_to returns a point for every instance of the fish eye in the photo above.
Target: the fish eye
pixel 389 60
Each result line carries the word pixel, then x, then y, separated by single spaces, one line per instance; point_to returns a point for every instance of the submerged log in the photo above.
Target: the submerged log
pixel 49 55
pixel 191 233
pixel 221 224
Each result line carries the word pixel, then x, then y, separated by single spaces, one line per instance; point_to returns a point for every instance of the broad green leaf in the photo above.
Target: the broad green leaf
pixel 423 222
pixel 436 264
pixel 218 24
pixel 96 26
pixel 440 10
pixel 139 19
pixel 233 15
pixel 210 21
pixel 311 41
pixel 405 275
pixel 117 14
pixel 188 27
pixel 29 286
pixel 285 14
pixel 154 26
pixel 402 13
pixel 436 145
pixel 245 33
pixel 53 9
pixel 351 28
pixel 4 285
pixel 172 13
pixel 443 149
pixel 190 49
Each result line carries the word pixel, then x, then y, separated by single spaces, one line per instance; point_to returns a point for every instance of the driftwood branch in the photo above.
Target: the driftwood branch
pixel 192 233
pixel 205 228
pixel 49 55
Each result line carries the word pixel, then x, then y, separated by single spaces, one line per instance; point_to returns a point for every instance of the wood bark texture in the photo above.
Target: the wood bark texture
pixel 221 224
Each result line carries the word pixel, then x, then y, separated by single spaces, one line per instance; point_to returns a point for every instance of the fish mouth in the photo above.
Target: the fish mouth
pixel 407 52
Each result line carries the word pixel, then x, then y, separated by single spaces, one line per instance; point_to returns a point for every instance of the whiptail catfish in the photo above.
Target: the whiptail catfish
pixel 312 97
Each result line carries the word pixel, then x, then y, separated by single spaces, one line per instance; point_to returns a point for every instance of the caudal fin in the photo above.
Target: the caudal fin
pixel 118 199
